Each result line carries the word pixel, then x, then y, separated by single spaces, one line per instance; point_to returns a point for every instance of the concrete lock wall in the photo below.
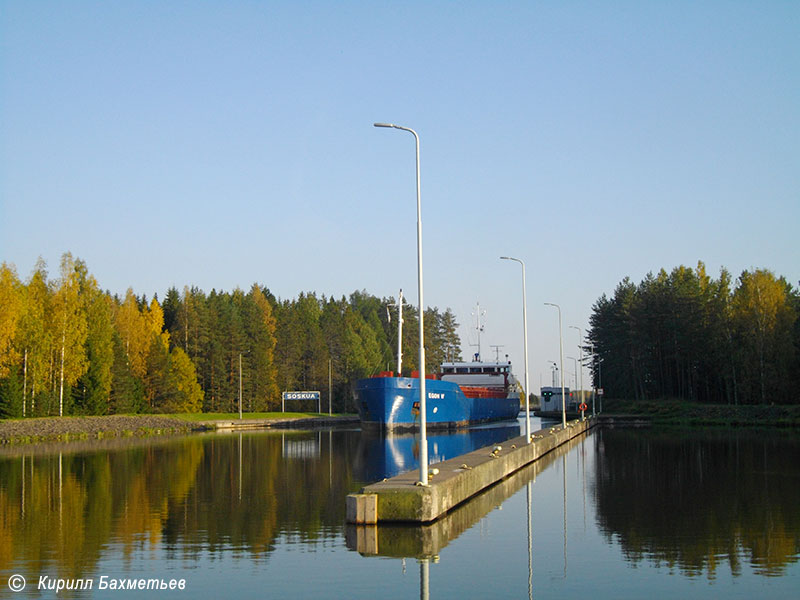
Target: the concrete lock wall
pixel 403 499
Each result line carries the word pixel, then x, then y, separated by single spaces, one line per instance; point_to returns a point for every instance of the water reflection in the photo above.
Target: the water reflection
pixel 696 500
pixel 383 455
pixel 59 513
pixel 683 503
pixel 198 495
pixel 427 541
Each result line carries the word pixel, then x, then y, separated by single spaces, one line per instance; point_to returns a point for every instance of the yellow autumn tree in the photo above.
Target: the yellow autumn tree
pixel 10 313
pixel 35 338
pixel 187 394
pixel 134 331
pixel 764 320
pixel 69 322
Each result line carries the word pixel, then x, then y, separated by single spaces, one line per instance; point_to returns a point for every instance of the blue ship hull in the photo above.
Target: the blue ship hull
pixel 393 403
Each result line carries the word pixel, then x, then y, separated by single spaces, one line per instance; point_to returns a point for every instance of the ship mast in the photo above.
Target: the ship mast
pixel 400 334
pixel 479 327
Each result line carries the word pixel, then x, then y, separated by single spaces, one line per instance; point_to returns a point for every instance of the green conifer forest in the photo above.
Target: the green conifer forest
pixel 69 348
pixel 689 336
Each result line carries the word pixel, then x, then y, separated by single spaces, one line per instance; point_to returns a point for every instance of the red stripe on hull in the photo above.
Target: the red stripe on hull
pixel 483 392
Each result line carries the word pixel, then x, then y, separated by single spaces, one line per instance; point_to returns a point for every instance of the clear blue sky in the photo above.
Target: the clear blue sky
pixel 219 144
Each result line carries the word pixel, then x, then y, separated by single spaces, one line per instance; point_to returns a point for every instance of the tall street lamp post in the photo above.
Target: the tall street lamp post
pixel 423 417
pixel 525 348
pixel 575 360
pixel 240 386
pixel 593 391
pixel 580 355
pixel 561 358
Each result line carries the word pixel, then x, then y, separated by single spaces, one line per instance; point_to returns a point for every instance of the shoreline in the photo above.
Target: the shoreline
pixel 660 413
pixel 683 413
pixel 75 428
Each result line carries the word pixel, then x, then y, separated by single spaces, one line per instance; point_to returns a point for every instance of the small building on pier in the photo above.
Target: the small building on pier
pixel 551 400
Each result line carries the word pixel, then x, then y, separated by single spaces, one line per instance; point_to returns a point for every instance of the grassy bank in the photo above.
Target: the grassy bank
pixel 682 412
pixel 202 417
pixel 65 429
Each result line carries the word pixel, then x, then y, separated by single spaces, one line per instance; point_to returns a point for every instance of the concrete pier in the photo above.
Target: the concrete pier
pixel 403 499
pixel 426 540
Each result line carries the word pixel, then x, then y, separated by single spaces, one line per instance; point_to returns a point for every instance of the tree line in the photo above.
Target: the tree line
pixel 69 348
pixel 689 336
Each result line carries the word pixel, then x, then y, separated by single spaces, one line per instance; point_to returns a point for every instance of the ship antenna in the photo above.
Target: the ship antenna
pixel 479 316
pixel 497 351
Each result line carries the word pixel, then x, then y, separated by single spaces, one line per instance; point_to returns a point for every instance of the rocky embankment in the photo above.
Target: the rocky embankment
pixel 75 428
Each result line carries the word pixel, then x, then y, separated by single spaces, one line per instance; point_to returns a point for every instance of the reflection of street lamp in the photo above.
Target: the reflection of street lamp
pixel 525 347
pixel 423 417
pixel 561 354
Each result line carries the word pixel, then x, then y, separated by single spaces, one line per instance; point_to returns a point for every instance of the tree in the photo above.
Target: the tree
pixel 448 332
pixel 70 321
pixel 127 390
pixel 260 326
pixel 765 319
pixel 686 335
pixel 95 385
pixel 187 396
pixel 11 301
pixel 134 332
pixel 35 337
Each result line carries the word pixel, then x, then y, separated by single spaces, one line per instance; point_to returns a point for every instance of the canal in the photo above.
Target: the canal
pixel 619 513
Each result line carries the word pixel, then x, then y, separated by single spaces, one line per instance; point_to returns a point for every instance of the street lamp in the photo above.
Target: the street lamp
pixel 561 358
pixel 423 418
pixel 580 350
pixel 553 372
pixel 525 348
pixel 593 360
pixel 575 360
pixel 240 383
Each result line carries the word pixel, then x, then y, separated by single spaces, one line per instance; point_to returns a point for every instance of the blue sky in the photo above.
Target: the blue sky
pixel 219 144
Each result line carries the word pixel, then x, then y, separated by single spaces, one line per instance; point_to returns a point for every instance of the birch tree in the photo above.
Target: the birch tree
pixel 70 319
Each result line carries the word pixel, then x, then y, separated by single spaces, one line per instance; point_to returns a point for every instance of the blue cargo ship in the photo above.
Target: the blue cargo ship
pixel 462 394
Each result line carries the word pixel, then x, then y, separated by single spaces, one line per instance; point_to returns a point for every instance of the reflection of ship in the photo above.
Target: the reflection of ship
pixel 383 456
pixel 465 393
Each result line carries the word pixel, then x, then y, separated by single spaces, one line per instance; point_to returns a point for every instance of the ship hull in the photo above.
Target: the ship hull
pixel 393 403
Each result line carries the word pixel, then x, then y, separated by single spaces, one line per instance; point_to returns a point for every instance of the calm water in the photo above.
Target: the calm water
pixel 617 514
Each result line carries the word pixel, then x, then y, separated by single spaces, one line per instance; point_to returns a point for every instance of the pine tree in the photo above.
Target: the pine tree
pixel 261 375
